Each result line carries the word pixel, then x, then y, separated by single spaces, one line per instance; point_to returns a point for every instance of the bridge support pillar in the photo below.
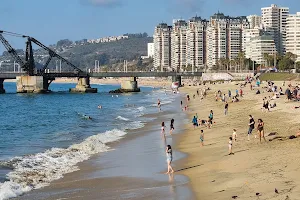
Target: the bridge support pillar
pixel 32 84
pixel 2 90
pixel 83 86
pixel 130 85
pixel 177 79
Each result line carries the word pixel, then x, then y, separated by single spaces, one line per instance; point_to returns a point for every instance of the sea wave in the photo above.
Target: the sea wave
pixel 38 170
pixel 122 118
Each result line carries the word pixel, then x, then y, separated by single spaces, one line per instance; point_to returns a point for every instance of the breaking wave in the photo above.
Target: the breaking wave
pixel 38 170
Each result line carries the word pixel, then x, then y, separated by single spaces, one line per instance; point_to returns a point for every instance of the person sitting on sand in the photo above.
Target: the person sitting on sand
pixel 257 91
pixel 203 122
pixel 169 159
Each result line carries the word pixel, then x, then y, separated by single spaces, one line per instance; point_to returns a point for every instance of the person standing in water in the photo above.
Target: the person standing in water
pixel 163 132
pixel 159 104
pixel 172 126
pixel 169 159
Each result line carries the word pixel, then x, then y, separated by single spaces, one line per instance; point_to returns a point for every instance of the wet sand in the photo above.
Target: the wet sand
pixel 133 170
pixel 256 169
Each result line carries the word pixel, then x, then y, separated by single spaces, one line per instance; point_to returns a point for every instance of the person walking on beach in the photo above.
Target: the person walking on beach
pixel 181 104
pixel 236 92
pixel 234 135
pixel 251 126
pixel 226 108
pixel 163 132
pixel 211 117
pixel 230 146
pixel 241 93
pixel 260 129
pixel 169 159
pixel 171 126
pixel 229 93
pixel 202 137
pixel 195 122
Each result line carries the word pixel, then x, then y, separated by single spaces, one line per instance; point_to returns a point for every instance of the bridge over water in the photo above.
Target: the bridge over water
pixel 39 84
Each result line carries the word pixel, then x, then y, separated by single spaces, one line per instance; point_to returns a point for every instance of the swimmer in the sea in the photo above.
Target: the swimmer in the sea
pixel 99 107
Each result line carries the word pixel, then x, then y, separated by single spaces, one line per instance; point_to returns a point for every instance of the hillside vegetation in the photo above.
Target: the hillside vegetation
pixel 110 55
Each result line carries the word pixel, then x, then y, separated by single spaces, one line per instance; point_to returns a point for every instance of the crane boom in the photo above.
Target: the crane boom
pixel 12 52
pixel 53 54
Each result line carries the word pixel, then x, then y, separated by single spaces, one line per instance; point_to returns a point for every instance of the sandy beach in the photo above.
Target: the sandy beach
pixel 256 169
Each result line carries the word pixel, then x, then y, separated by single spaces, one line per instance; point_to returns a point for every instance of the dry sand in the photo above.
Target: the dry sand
pixel 254 168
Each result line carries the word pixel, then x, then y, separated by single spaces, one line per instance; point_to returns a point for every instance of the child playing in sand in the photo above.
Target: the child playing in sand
pixel 202 137
pixel 234 135
pixel 230 146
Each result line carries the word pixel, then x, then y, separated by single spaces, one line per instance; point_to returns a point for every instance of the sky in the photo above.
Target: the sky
pixel 52 20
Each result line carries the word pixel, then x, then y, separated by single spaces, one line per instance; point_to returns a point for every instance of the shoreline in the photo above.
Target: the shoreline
pixel 103 170
pixel 214 174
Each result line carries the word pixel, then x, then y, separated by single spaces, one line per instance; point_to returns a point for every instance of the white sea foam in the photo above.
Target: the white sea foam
pixel 122 118
pixel 38 170
pixel 141 108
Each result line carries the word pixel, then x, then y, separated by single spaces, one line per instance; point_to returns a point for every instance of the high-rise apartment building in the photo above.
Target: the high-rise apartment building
pixel 196 38
pixel 224 37
pixel 162 47
pixel 275 17
pixel 150 49
pixel 260 46
pixel 248 35
pixel 179 45
pixel 254 21
pixel 293 34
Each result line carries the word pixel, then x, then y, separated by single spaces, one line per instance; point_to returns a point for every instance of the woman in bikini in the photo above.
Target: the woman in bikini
pixel 169 159
pixel 260 129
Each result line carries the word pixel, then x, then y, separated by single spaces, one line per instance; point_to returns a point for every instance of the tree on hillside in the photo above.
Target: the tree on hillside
pixel 65 42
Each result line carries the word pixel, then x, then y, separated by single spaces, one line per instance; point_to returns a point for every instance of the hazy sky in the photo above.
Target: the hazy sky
pixel 52 20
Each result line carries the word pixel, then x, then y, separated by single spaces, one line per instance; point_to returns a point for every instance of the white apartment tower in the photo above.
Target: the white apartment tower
pixel 275 17
pixel 254 21
pixel 261 45
pixel 162 47
pixel 224 37
pixel 293 34
pixel 196 36
pixel 179 45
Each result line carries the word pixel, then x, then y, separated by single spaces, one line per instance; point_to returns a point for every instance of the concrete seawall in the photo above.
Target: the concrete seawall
pixel 225 76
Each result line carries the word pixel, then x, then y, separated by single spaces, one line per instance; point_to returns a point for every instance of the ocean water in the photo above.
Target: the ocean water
pixel 44 136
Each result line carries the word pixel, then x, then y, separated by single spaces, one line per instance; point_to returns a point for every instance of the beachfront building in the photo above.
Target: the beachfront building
pixel 293 34
pixel 150 49
pixel 254 21
pixel 275 17
pixel 196 43
pixel 248 35
pixel 179 45
pixel 224 37
pixel 162 47
pixel 261 45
